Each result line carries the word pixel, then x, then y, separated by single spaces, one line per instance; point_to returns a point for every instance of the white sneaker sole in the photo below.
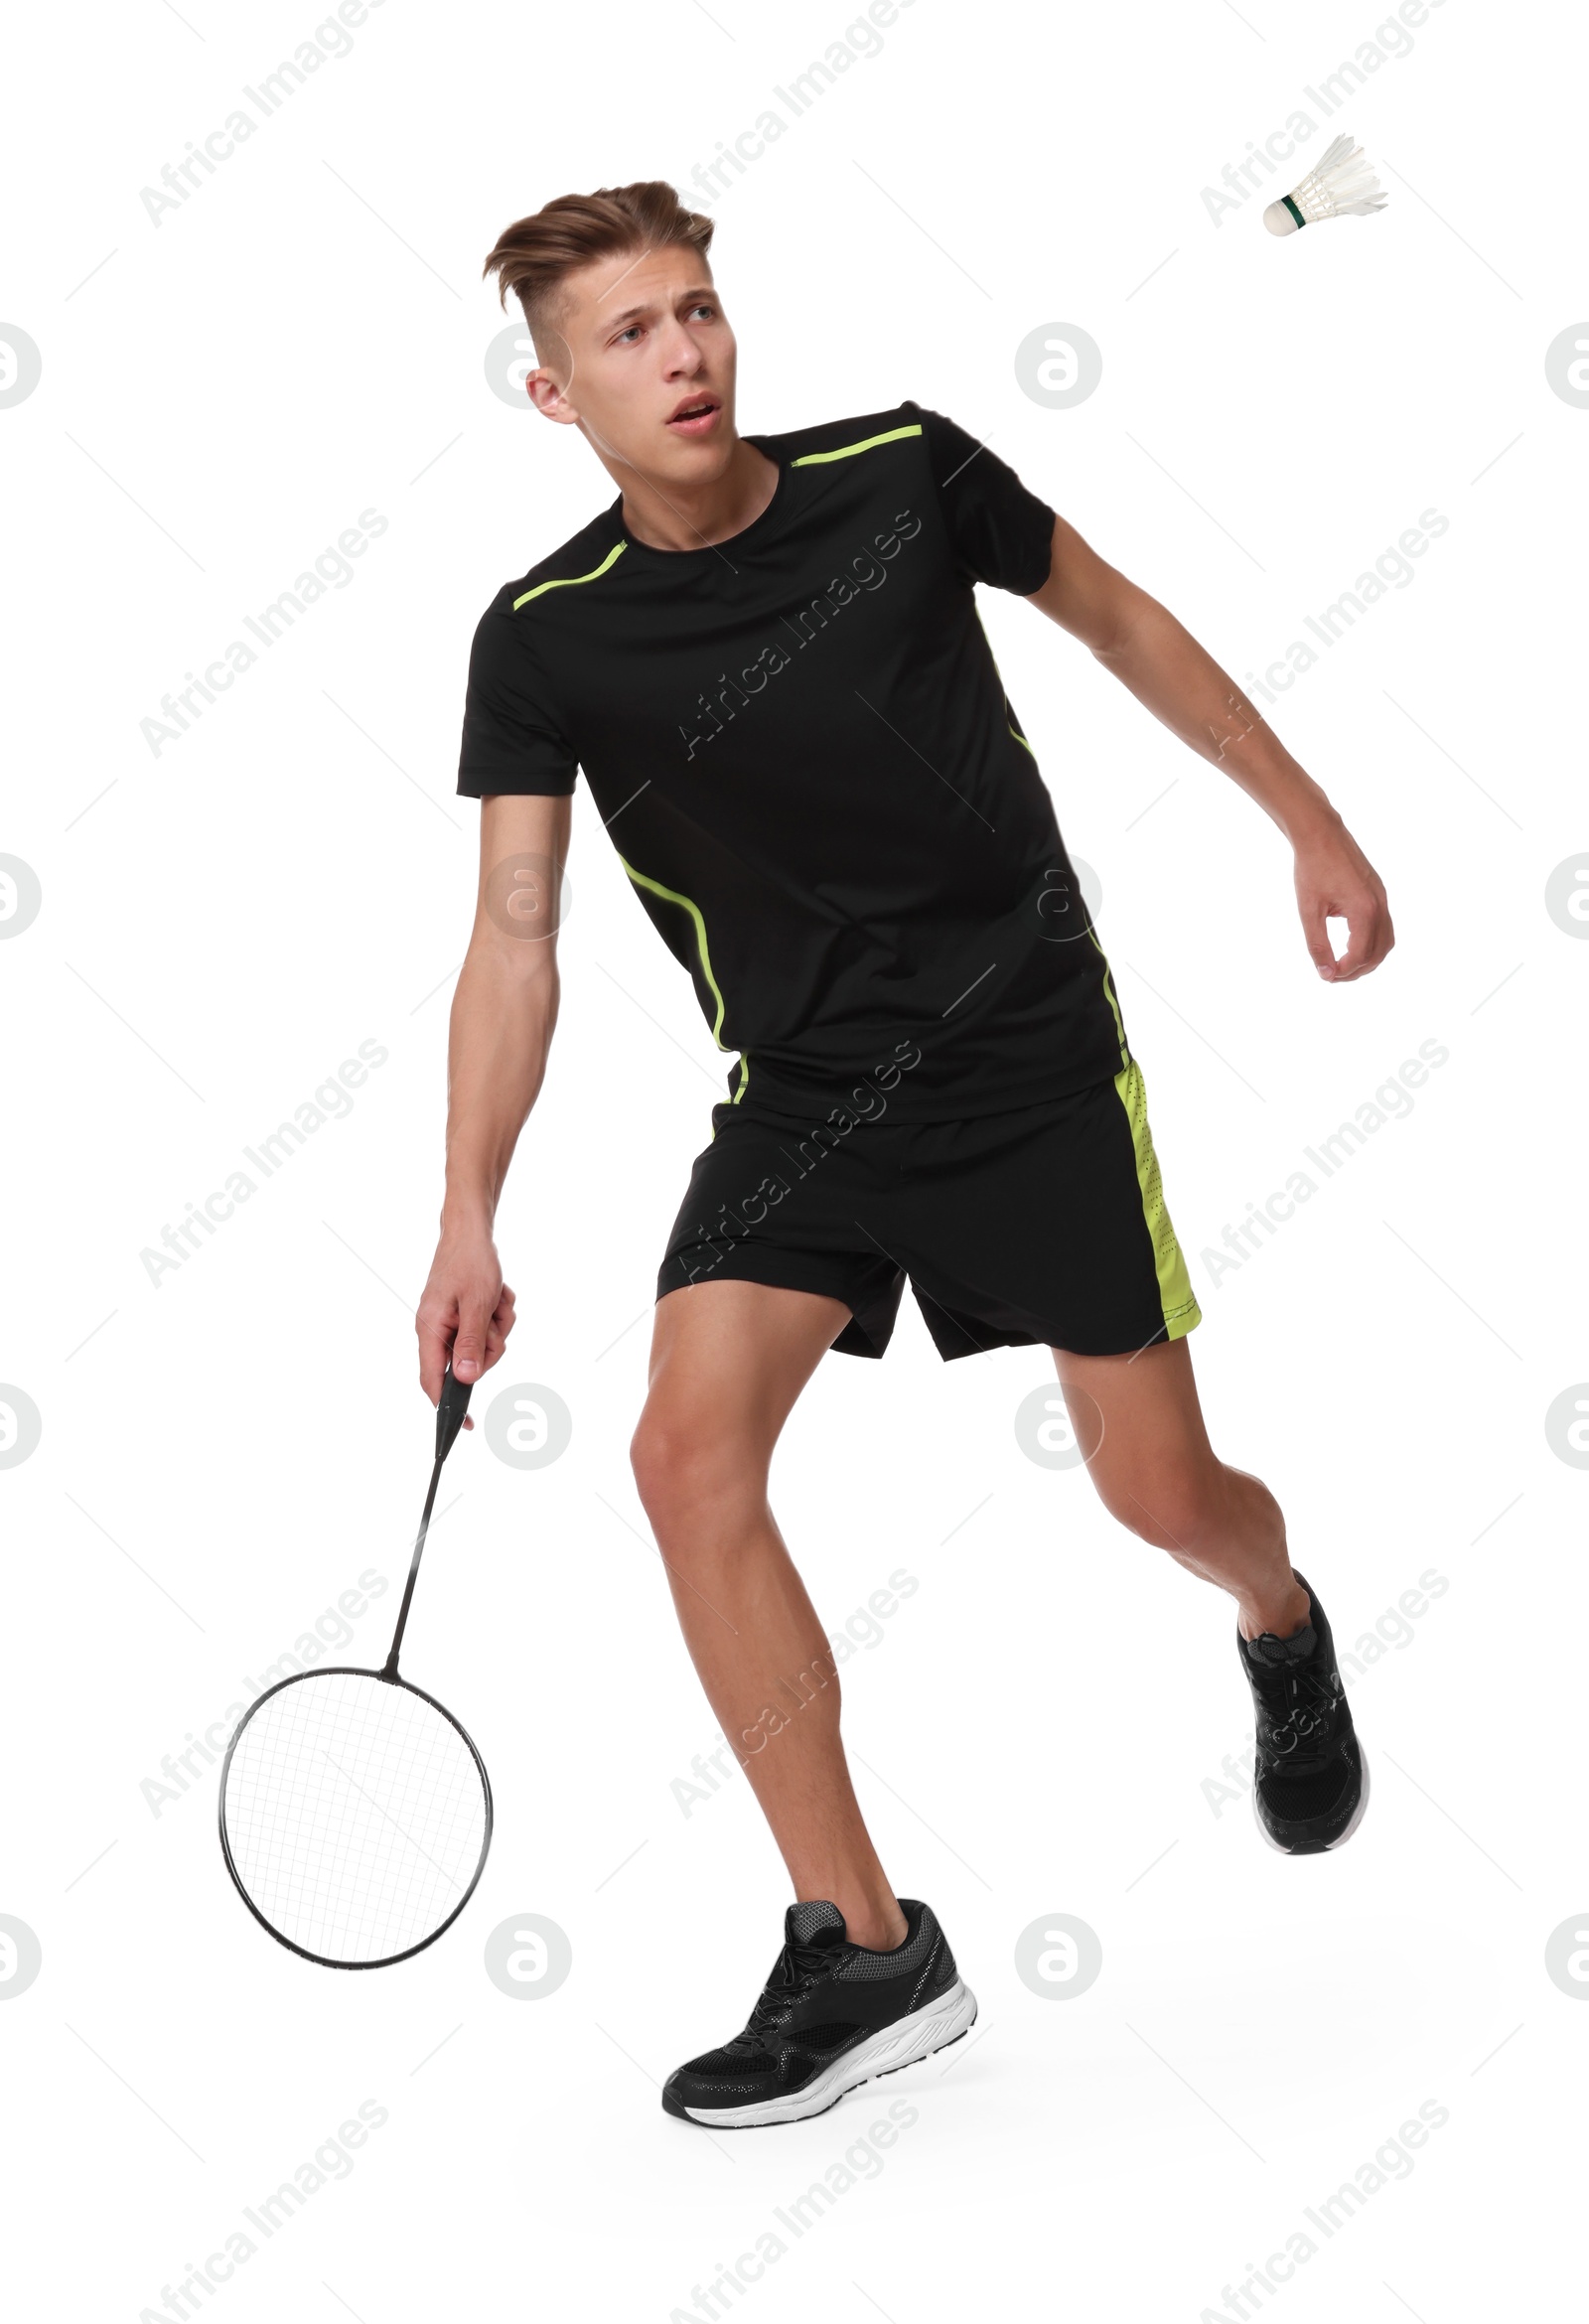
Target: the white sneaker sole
pixel 905 2043
pixel 1341 1838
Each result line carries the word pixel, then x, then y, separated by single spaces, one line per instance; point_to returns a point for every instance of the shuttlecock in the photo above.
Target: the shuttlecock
pixel 1342 186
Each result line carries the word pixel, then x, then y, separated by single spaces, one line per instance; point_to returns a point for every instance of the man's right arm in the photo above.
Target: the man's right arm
pixel 503 1011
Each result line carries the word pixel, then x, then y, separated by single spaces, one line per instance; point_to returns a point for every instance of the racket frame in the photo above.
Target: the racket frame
pixel 387 1678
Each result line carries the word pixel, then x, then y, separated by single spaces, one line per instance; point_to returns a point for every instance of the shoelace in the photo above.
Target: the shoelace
pixel 797 1966
pixel 1306 1700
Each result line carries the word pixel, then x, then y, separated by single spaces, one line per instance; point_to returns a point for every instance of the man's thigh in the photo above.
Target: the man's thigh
pixel 1138 1419
pixel 732 1357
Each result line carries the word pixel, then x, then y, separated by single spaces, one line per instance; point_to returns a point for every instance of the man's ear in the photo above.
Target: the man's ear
pixel 549 397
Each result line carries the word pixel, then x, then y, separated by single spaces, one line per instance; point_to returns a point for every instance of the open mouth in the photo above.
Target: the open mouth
pixel 696 416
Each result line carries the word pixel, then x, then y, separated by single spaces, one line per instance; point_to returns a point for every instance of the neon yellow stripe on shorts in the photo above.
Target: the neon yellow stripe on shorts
pixel 848 450
pixel 1177 1302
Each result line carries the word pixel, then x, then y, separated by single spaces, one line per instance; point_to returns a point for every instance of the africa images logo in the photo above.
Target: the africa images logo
pixel 869 571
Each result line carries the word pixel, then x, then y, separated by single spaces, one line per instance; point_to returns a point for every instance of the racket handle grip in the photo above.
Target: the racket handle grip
pixel 450 1410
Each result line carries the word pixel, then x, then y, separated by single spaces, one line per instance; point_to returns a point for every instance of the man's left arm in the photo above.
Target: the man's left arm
pixel 1148 650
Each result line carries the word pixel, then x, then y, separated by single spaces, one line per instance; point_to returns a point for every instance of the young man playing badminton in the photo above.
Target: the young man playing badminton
pixel 765 655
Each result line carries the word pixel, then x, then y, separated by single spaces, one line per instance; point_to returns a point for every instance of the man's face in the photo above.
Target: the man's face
pixel 646 343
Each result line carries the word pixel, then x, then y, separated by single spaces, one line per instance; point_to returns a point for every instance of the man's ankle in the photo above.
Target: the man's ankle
pixel 876 1922
pixel 1281 1610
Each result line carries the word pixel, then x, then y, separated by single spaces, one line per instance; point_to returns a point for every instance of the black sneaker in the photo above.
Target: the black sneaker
pixel 833 2015
pixel 1311 1780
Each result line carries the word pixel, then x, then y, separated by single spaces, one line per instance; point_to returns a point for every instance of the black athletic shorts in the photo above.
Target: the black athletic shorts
pixel 1044 1226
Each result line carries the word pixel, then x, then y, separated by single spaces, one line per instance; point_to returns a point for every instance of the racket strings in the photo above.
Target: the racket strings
pixel 355 1816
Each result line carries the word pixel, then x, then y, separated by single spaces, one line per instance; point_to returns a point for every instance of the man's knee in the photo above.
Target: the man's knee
pixel 682 1465
pixel 657 1457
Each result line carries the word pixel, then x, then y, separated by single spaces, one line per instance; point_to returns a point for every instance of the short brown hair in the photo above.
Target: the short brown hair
pixel 534 254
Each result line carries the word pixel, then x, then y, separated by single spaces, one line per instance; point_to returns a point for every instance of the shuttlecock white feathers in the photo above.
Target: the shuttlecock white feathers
pixel 1342 184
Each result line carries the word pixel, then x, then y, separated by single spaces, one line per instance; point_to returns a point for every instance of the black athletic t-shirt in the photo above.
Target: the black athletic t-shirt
pixel 799 744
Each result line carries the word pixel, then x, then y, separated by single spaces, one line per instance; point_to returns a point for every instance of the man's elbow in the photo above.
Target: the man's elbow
pixel 513 959
pixel 1127 624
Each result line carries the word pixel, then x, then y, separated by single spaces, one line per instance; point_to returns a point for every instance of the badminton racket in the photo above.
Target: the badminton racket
pixel 354 1810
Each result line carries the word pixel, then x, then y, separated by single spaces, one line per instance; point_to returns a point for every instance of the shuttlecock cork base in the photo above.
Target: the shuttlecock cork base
pixel 1342 184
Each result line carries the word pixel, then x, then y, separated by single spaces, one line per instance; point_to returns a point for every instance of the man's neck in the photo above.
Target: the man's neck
pixel 668 517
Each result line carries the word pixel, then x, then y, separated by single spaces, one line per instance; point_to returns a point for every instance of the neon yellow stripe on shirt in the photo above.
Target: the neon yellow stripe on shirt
pixel 673 895
pixel 848 450
pixel 1108 994
pixel 573 580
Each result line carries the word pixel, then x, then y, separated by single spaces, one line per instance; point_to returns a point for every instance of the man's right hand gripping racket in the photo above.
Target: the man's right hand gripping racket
pixel 354 1810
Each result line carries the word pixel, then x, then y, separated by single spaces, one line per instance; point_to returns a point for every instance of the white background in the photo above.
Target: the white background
pixel 222 393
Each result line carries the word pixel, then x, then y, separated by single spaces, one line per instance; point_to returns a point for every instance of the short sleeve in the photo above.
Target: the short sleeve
pixel 1002 533
pixel 513 741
